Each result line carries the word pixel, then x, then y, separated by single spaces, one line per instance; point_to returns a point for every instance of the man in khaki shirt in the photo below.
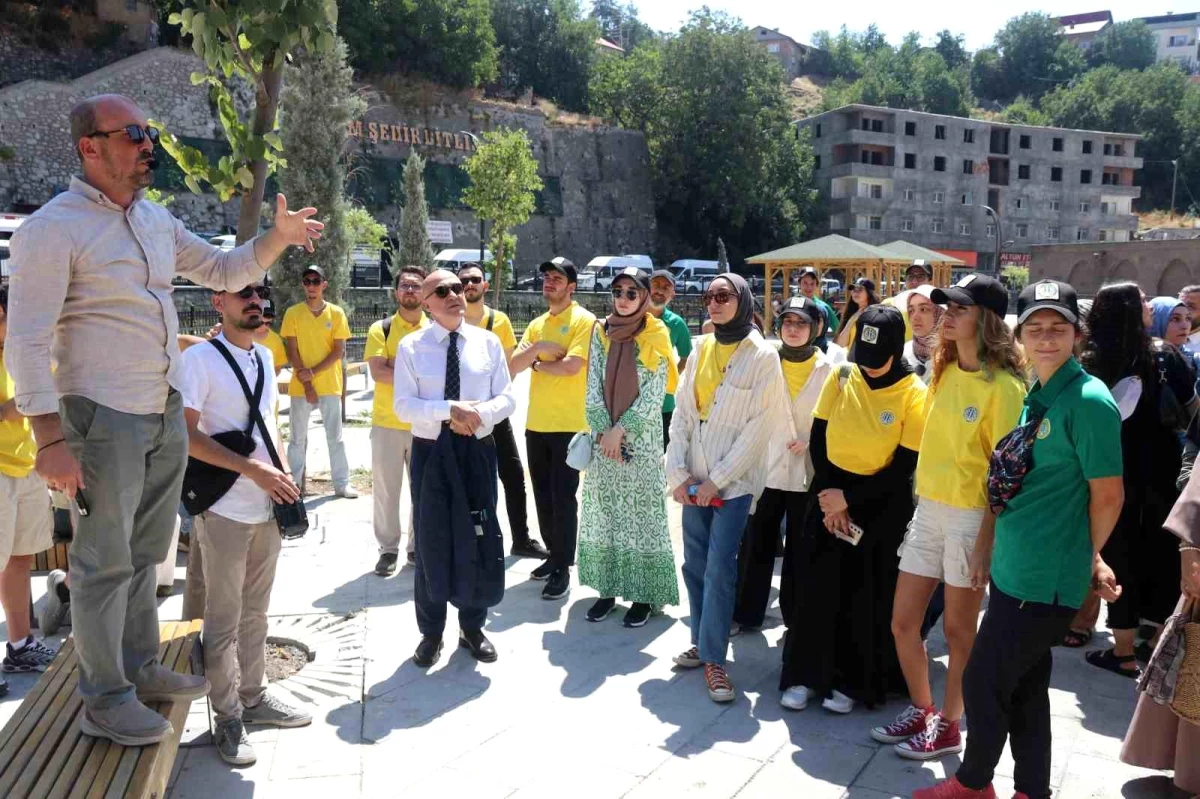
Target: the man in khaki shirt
pixel 91 292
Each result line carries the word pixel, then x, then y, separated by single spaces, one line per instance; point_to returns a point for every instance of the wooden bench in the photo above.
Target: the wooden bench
pixel 53 558
pixel 43 755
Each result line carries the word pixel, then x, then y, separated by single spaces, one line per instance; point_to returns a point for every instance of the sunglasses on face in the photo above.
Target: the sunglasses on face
pixel 630 294
pixel 312 281
pixel 473 280
pixel 719 297
pixel 136 133
pixel 443 291
pixel 263 292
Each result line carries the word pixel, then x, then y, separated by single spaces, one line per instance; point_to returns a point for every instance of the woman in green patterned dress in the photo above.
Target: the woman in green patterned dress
pixel 624 545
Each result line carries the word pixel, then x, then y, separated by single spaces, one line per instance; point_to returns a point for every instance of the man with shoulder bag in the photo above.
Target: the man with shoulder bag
pixel 241 494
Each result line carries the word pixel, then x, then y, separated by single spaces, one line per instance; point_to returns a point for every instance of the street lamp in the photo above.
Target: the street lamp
pixel 995 216
pixel 482 222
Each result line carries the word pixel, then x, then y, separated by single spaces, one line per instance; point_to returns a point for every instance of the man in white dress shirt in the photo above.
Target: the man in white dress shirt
pixel 450 378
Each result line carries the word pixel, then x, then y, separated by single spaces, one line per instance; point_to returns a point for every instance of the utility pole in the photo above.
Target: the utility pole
pixel 1174 180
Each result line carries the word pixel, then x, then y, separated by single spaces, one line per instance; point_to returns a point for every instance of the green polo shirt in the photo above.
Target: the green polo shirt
pixel 1043 549
pixel 681 340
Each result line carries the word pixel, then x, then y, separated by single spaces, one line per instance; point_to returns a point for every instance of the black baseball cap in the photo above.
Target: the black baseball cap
pixel 663 273
pixel 868 284
pixel 637 275
pixel 808 271
pixel 1052 294
pixel 982 290
pixel 801 306
pixel 879 336
pixel 562 266
pixel 316 270
pixel 921 265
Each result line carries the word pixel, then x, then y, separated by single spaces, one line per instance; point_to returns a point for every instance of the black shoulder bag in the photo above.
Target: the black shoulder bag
pixel 204 483
pixel 291 517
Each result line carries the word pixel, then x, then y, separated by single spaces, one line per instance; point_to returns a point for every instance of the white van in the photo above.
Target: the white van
pixel 8 226
pixel 456 259
pixel 692 276
pixel 607 267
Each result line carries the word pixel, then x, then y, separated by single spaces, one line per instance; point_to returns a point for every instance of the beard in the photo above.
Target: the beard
pixel 410 303
pixel 473 298
pixel 249 323
pixel 656 305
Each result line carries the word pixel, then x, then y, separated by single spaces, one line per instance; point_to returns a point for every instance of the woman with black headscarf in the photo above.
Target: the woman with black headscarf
pixel 866 431
pixel 789 467
pixel 729 401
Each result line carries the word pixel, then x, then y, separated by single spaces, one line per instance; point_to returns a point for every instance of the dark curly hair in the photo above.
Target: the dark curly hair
pixel 1116 343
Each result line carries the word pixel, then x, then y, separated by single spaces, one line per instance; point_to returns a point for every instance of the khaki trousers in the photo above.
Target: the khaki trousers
pixel 390 453
pixel 239 570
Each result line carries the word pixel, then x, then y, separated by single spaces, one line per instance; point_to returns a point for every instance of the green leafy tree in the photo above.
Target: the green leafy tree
pixel 1017 277
pixel 246 40
pixel 987 73
pixel 448 41
pixel 1022 112
pixel 317 105
pixel 1032 61
pixel 952 50
pixel 364 230
pixel 1125 45
pixel 415 247
pixel 548 46
pixel 845 53
pixel 620 24
pixel 627 90
pixel 504 184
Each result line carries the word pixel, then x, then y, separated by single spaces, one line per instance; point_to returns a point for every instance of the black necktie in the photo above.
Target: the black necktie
pixel 452 367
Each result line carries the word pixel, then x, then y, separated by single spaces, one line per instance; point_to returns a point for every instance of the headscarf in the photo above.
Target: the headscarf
pixel 886 341
pixel 742 322
pixel 923 345
pixel 620 371
pixel 1162 307
pixel 810 313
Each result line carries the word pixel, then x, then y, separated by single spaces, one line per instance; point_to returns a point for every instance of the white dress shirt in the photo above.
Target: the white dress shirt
pixel 420 379
pixel 209 386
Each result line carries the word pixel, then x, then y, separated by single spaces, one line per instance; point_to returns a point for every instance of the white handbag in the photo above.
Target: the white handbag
pixel 579 451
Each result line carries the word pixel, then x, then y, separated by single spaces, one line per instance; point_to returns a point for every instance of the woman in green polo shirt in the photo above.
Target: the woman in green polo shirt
pixel 1047 538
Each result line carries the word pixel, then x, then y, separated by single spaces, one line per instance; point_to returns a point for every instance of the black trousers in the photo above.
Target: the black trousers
pixel 512 477
pixel 554 487
pixel 756 558
pixel 667 428
pixel 1007 692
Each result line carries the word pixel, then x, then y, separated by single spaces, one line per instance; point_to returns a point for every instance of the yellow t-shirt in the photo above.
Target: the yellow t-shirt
pixel 797 374
pixel 17 450
pixel 866 426
pixel 711 360
pixel 382 412
pixel 968 414
pixel 278 350
pixel 314 338
pixel 501 326
pixel 556 404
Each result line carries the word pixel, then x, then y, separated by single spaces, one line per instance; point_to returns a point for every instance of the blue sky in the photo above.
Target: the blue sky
pixel 978 21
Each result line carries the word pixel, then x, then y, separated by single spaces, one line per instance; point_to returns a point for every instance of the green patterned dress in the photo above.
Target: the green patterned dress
pixel 624 543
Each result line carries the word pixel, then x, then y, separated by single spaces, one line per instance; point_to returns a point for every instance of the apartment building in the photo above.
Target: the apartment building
pixel 887 173
pixel 1176 37
pixel 1082 29
pixel 794 57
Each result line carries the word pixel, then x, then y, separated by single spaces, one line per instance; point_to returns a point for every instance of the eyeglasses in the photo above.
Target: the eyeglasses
pixel 474 280
pixel 312 281
pixel 136 133
pixel 719 297
pixel 443 291
pixel 409 288
pixel 263 292
pixel 630 294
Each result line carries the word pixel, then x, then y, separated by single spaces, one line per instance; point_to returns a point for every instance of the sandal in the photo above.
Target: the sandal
pixel 1109 660
pixel 1075 639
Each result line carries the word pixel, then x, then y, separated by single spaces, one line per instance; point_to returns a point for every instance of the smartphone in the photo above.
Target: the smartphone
pixel 82 503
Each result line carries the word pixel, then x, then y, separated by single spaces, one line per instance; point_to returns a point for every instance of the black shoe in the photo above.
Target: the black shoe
pixel 1143 652
pixel 542 572
pixel 386 566
pixel 410 558
pixel 638 615
pixel 558 586
pixel 428 651
pixel 164 591
pixel 600 610
pixel 530 549
pixel 481 648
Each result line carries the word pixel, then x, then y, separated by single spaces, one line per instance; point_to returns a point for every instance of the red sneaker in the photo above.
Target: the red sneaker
pixel 940 737
pixel 953 789
pixel 910 722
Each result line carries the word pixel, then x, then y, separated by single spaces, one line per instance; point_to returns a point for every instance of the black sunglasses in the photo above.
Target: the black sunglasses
pixel 473 280
pixel 263 292
pixel 719 297
pixel 312 281
pixel 136 133
pixel 443 291
pixel 630 294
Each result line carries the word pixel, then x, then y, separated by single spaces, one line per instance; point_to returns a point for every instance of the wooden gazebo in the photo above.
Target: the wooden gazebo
pixel 941 264
pixel 854 258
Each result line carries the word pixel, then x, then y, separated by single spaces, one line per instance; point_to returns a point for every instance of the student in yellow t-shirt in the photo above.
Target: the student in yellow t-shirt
pixel 26 523
pixel 272 340
pixel 508 459
pixel 865 436
pixel 316 334
pixel 555 346
pixel 391 439
pixel 976 396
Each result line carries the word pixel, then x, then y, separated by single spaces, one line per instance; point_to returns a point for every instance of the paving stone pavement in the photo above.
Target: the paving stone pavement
pixel 572 708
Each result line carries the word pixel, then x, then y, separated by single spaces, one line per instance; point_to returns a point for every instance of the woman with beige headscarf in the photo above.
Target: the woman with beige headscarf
pixel 624 544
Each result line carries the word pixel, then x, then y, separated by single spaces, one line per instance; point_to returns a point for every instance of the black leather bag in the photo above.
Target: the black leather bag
pixel 292 517
pixel 204 483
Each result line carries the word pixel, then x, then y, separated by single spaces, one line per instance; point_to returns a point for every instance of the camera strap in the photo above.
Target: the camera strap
pixel 255 416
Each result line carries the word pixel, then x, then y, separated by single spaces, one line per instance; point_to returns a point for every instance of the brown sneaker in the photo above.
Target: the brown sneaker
pixel 720 687
pixel 689 659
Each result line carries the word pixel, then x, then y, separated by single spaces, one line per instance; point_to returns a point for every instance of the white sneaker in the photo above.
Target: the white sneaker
pixel 347 492
pixel 796 697
pixel 838 702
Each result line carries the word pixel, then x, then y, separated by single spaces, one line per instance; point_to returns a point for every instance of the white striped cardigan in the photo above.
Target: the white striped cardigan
pixel 731 448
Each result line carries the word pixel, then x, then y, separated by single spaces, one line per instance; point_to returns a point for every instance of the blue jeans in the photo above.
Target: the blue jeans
pixel 711 539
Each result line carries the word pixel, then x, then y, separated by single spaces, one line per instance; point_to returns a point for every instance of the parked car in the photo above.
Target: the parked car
pixel 830 287
pixel 692 276
pixel 607 267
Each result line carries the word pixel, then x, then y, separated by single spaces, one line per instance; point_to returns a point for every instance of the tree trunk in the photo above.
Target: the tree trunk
pixel 266 103
pixel 498 266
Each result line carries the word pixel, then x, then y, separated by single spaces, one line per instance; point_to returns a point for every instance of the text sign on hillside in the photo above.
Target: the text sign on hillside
pixel 440 232
pixel 402 134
